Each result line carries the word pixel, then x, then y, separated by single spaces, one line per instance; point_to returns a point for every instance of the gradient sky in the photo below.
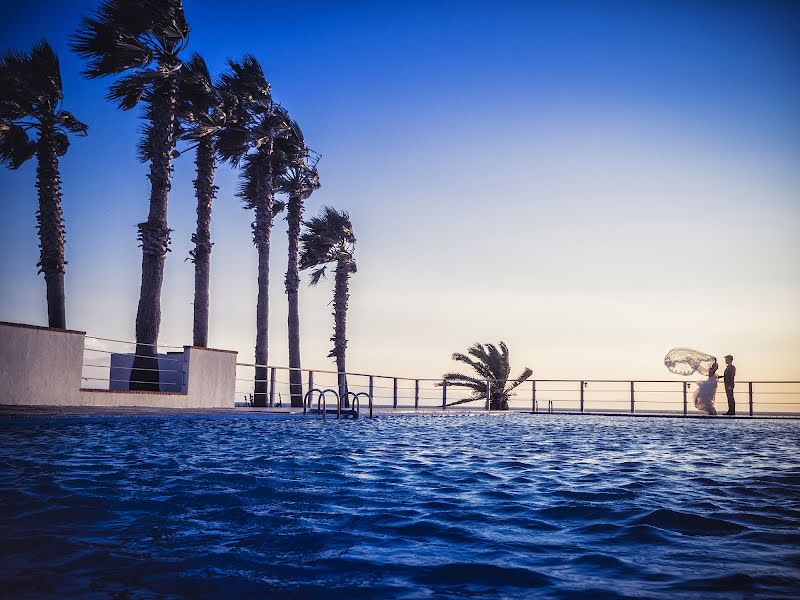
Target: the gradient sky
pixel 592 182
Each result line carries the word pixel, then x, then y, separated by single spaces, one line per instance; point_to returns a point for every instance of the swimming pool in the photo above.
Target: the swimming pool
pixel 400 506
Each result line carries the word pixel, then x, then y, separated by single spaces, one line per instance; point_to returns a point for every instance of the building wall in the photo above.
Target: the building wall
pixel 42 366
pixel 212 377
pixel 39 365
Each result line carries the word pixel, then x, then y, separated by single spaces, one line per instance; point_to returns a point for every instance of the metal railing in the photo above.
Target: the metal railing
pixel 343 405
pixel 108 364
pixel 587 396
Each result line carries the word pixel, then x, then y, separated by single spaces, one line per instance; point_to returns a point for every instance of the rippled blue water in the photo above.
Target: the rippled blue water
pixel 400 506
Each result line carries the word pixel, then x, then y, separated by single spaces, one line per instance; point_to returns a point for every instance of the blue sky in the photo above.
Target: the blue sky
pixel 592 182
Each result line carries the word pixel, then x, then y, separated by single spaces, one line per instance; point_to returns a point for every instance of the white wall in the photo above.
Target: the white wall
pixel 39 365
pixel 42 366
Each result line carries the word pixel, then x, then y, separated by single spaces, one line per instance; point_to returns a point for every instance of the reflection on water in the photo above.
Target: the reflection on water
pixel 400 506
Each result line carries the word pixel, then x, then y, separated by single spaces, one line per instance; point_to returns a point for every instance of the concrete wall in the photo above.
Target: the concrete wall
pixel 39 365
pixel 212 377
pixel 42 366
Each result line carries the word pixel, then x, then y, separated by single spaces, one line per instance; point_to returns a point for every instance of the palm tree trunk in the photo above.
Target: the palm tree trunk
pixel 50 224
pixel 341 296
pixel 262 231
pixel 205 191
pixel 154 236
pixel 293 292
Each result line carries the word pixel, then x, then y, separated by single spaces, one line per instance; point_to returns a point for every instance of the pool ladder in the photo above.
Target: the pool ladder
pixel 322 406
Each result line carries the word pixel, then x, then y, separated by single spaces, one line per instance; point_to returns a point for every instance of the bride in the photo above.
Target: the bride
pixel 706 390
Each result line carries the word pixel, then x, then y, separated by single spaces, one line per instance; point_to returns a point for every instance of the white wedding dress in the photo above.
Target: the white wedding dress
pixel 704 395
pixel 685 361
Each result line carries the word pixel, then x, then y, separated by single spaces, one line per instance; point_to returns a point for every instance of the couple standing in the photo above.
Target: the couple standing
pixel 705 392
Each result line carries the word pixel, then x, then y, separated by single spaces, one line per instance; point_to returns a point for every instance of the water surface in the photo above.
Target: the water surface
pixel 400 506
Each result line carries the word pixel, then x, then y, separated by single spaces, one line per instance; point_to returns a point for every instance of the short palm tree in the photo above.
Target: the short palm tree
pixel 248 139
pixel 298 179
pixel 493 367
pixel 141 40
pixel 329 238
pixel 204 110
pixel 31 102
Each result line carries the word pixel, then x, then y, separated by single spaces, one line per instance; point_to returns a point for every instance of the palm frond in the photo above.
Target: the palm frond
pixel 62 142
pixel 481 367
pixel 327 237
pixel 233 143
pixel 68 121
pixel 30 100
pixel 492 364
pixel 521 379
pixel 130 34
pixel 465 400
pixel 30 82
pixel 317 275
pixel 128 90
pixel 461 380
pixel 15 145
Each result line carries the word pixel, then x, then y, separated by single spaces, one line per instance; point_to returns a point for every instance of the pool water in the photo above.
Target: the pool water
pixel 402 506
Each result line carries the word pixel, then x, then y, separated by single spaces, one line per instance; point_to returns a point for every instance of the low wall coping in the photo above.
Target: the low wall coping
pixel 210 349
pixel 42 328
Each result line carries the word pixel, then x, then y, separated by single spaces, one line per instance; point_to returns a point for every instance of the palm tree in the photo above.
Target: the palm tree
pixel 298 178
pixel 31 101
pixel 329 238
pixel 143 40
pixel 204 110
pixel 493 366
pixel 249 139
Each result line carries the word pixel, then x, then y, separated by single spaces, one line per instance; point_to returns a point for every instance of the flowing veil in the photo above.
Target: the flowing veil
pixel 685 361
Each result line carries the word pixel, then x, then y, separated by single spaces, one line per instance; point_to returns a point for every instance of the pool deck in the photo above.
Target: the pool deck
pixel 39 411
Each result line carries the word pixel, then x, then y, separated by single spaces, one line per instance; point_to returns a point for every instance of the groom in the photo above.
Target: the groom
pixel 730 376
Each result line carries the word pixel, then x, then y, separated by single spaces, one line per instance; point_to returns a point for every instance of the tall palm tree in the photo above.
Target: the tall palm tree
pixel 329 238
pixel 204 110
pixel 298 178
pixel 143 39
pixel 493 366
pixel 31 101
pixel 249 140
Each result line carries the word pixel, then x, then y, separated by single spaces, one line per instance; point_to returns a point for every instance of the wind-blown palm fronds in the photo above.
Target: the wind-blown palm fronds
pixel 249 140
pixel 204 110
pixel 492 365
pixel 296 176
pixel 140 42
pixel 31 103
pixel 329 238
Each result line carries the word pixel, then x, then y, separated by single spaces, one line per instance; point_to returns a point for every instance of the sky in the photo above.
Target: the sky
pixel 593 183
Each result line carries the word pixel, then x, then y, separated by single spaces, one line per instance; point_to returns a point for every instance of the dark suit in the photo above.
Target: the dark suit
pixel 730 376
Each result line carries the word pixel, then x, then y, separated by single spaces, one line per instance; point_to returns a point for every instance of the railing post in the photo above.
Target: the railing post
pixel 488 395
pixel 371 387
pixel 582 386
pixel 533 397
pixel 632 406
pixel 394 405
pixel 416 394
pixel 444 394
pixel 685 400
pixel 311 380
pixel 272 387
pixel 750 396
